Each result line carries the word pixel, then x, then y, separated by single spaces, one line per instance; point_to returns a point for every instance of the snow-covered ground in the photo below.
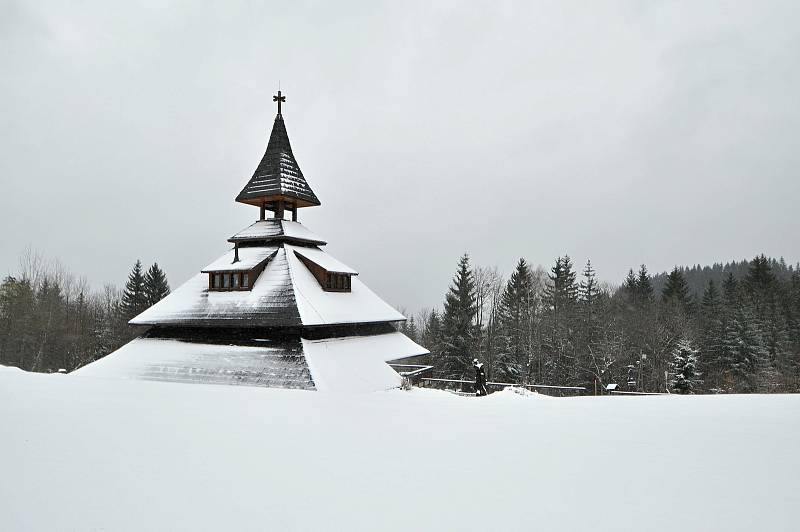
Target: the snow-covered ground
pixel 87 453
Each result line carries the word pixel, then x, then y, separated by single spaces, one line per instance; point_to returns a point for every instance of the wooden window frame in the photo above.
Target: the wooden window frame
pixel 238 281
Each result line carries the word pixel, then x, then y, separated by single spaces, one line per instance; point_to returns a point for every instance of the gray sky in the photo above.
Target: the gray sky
pixel 625 132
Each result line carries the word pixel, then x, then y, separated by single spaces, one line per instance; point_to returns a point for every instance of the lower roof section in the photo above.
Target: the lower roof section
pixel 357 364
pixel 350 364
pixel 274 366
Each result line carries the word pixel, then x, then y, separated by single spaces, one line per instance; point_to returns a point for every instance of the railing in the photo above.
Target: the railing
pixel 410 372
pixel 448 384
pixel 620 392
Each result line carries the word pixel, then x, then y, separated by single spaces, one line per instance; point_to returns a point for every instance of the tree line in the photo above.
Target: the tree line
pixel 51 320
pixel 739 333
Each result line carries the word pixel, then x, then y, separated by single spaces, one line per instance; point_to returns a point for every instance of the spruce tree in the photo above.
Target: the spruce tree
pixel 516 309
pixel 560 297
pixel 711 331
pixel 588 289
pixel 134 298
pixel 730 291
pixel 644 286
pixel 743 354
pixel 432 336
pixel 409 328
pixel 458 328
pixel 630 285
pixel 156 286
pixel 684 366
pixel 676 291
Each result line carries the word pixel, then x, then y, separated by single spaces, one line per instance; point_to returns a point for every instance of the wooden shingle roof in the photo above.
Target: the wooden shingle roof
pixel 278 176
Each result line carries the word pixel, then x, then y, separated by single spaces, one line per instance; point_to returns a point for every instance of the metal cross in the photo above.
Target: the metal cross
pixel 279 99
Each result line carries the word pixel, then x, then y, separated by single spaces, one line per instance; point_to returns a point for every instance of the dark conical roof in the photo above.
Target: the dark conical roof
pixel 278 176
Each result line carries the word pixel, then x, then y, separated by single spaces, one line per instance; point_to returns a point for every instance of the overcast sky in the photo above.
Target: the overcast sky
pixel 628 132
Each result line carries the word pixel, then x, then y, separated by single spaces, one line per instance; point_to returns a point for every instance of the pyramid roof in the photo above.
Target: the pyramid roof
pixel 286 294
pixel 278 176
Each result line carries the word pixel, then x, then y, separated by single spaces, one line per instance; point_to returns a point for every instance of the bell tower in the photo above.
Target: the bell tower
pixel 278 183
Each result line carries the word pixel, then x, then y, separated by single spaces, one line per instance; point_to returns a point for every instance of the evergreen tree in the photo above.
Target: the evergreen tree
pixel 409 328
pixel 730 291
pixel 458 328
pixel 743 353
pixel 432 336
pixel 759 283
pixel 684 366
pixel 134 298
pixel 630 285
pixel 156 286
pixel 644 286
pixel 588 289
pixel 561 295
pixel 711 331
pixel 676 291
pixel 516 313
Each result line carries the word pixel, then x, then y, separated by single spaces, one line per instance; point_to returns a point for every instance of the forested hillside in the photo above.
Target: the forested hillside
pixel 741 333
pixel 697 277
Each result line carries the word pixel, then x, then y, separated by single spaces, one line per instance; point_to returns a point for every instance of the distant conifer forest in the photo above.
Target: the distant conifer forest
pixel 725 328
pixel 732 328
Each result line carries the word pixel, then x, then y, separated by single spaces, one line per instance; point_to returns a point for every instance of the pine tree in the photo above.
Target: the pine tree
pixel 458 328
pixel 684 366
pixel 156 286
pixel 134 298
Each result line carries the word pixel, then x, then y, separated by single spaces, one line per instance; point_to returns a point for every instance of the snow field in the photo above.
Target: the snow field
pixel 88 453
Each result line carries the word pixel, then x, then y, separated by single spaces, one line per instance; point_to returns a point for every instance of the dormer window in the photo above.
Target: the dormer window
pixel 337 282
pixel 229 274
pixel 332 275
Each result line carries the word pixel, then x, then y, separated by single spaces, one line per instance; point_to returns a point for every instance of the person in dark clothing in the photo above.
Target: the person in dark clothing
pixel 480 378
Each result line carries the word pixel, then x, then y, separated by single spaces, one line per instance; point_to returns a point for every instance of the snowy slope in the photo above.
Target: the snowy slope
pixel 83 453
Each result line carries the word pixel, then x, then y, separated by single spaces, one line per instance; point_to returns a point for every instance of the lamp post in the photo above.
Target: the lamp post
pixel 642 358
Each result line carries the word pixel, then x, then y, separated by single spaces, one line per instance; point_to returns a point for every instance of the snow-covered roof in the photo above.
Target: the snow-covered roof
pixel 285 294
pixel 249 258
pixel 358 363
pixel 279 230
pixel 318 307
pixel 351 364
pixel 328 263
pixel 270 303
pixel 278 174
pixel 279 365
